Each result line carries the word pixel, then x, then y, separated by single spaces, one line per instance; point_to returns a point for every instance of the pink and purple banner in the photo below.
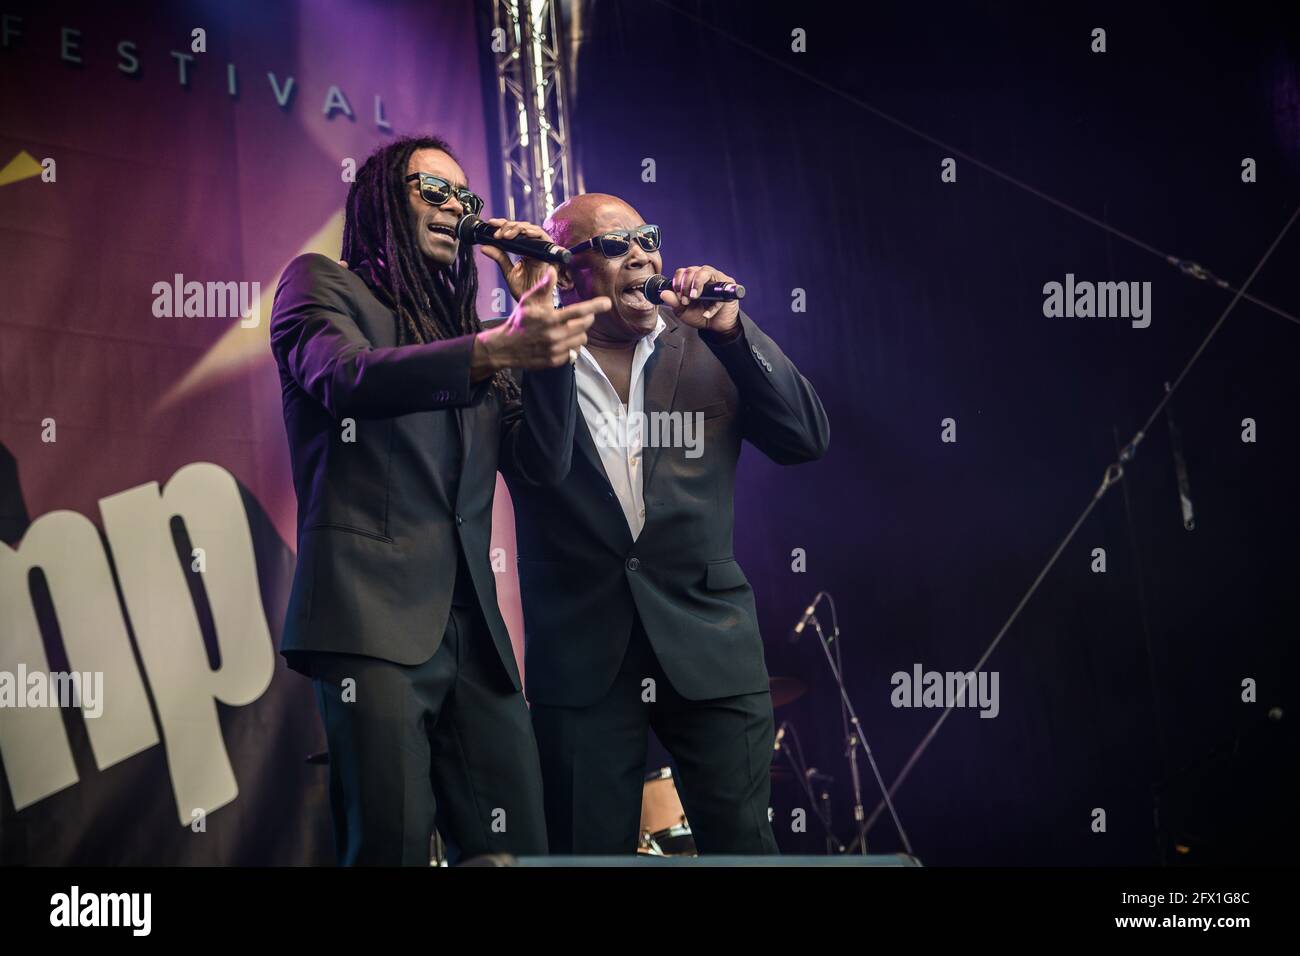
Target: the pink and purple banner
pixel 158 169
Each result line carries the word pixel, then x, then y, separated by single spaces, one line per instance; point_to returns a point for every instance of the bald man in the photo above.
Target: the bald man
pixel 637 615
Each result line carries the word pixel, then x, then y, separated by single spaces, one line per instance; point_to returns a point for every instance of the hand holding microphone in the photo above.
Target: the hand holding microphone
pixel 655 286
pixel 703 297
pixel 522 238
pixel 499 237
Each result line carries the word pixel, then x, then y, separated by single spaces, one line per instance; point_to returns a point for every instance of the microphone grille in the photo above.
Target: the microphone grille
pixel 654 286
pixel 465 228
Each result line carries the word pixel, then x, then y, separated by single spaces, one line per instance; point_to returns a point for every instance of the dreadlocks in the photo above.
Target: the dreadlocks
pixel 431 303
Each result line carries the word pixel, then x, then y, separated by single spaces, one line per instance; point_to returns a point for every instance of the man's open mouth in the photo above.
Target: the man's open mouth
pixel 440 229
pixel 633 296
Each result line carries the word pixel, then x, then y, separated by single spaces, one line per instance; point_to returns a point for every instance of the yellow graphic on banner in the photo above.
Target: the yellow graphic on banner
pixel 22 166
pixel 240 348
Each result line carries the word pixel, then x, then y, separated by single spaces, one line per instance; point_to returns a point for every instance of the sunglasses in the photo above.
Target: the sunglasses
pixel 619 241
pixel 435 191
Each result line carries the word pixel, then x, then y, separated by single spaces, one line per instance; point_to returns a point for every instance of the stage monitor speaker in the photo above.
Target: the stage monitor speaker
pixel 645 860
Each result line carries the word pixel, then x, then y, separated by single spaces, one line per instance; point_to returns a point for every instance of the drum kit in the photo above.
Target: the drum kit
pixel 664 830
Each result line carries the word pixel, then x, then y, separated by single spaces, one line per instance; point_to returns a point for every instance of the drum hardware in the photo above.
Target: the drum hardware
pixel 664 828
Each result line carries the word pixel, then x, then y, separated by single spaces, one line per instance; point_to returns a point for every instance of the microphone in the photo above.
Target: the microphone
pixel 476 232
pixel 712 292
pixel 806 617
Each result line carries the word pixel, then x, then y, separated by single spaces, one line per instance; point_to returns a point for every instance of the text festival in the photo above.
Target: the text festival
pixel 335 102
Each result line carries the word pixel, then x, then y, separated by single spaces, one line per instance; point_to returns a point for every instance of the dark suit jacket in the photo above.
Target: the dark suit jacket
pixel 384 520
pixel 583 577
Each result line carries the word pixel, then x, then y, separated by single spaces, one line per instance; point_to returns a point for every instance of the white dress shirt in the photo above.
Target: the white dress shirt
pixel 618 430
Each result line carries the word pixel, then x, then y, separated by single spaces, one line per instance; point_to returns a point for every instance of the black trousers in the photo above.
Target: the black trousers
pixel 446 743
pixel 594 758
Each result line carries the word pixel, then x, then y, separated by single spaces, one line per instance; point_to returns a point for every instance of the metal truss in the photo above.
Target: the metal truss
pixel 538 165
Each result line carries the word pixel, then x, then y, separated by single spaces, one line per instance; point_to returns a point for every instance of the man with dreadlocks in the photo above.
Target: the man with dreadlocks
pixel 400 409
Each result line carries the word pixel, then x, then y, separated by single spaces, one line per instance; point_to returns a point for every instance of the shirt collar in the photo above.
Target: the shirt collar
pixel 660 325
pixel 646 344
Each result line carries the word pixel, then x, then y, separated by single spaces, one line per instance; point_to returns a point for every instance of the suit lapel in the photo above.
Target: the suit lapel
pixel 582 438
pixel 466 433
pixel 660 388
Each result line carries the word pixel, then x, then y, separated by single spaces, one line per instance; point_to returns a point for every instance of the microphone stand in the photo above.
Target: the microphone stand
pixel 801 770
pixel 853 736
pixel 850 738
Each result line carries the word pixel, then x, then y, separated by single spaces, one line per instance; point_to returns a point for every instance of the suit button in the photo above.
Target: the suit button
pixel 459 519
pixel 633 564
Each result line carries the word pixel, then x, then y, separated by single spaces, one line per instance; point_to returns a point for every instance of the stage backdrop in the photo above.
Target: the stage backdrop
pixel 146 507
pixel 907 300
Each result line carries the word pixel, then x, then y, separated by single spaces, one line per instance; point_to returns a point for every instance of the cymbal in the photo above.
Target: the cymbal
pixel 786 690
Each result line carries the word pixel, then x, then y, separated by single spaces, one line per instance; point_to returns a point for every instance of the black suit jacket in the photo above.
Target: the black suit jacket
pixel 582 576
pixel 385 519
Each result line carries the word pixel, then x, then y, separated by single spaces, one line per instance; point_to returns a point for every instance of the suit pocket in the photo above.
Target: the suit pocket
pixel 724 575
pixel 716 410
pixel 350 530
